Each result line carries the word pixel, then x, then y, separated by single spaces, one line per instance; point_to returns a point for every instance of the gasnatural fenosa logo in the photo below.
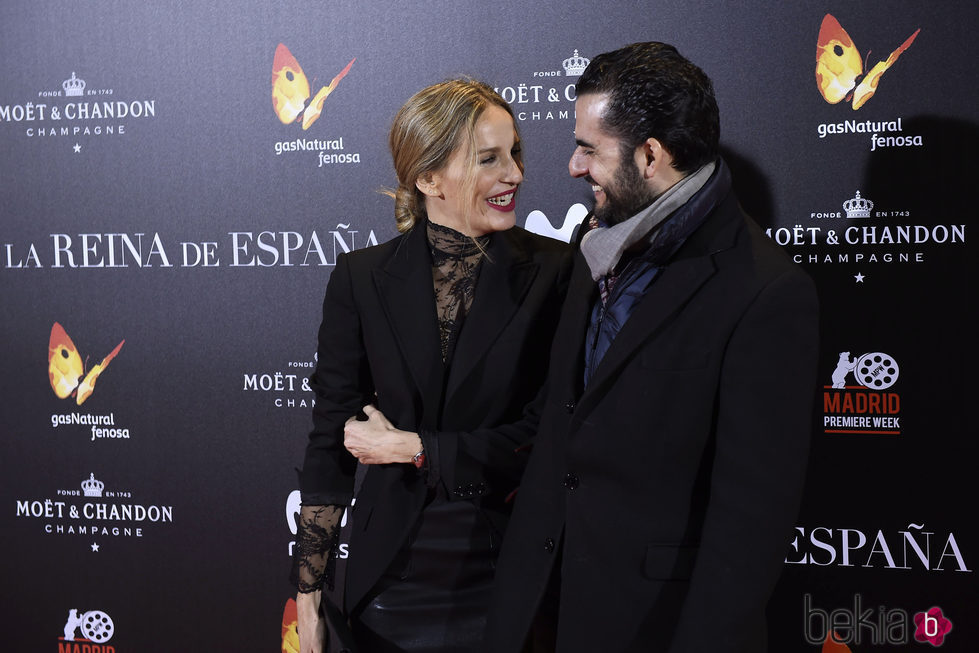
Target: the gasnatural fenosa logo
pixel 65 367
pixel 839 66
pixel 290 89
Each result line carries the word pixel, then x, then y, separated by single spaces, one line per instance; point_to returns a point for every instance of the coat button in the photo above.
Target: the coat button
pixel 569 406
pixel 570 481
pixel 549 545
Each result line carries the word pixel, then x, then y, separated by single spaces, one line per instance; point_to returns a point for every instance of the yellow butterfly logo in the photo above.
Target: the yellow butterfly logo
pixel 290 632
pixel 839 67
pixel 290 89
pixel 65 367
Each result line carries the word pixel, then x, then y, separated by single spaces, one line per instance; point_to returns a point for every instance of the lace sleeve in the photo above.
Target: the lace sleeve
pixel 316 547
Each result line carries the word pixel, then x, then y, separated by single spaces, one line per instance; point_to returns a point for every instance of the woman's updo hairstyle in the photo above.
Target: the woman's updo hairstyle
pixel 427 130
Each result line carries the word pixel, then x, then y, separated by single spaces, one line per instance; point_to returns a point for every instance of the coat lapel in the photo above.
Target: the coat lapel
pixel 505 276
pixel 567 359
pixel 678 282
pixel 404 286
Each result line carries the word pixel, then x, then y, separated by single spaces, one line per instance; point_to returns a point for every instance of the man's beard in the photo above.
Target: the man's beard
pixel 627 196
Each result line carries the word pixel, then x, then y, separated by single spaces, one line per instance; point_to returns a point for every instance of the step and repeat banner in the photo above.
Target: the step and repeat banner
pixel 168 227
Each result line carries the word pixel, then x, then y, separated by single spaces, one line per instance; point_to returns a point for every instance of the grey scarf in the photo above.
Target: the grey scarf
pixel 603 247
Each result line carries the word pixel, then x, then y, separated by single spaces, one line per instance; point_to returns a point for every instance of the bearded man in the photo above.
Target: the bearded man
pixel 669 462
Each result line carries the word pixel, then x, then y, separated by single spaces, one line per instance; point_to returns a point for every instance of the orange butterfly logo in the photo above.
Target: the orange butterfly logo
pixel 833 644
pixel 290 89
pixel 290 631
pixel 65 367
pixel 839 67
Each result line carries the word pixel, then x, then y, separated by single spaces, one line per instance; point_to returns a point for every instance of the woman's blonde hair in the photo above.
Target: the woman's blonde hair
pixel 427 130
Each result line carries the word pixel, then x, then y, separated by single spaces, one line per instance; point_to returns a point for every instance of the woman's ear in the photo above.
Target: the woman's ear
pixel 428 184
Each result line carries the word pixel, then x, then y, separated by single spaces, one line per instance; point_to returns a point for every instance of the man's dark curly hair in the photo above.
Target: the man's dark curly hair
pixel 655 92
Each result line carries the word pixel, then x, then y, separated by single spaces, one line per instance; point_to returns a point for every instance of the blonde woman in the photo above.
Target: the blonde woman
pixel 439 338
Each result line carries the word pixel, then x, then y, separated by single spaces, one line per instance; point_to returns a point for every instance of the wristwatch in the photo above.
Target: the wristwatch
pixel 419 459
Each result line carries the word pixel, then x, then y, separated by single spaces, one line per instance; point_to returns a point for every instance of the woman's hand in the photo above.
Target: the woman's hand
pixel 377 442
pixel 311 625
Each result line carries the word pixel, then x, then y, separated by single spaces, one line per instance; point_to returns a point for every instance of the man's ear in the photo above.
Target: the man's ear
pixel 654 159
pixel 428 184
pixel 656 164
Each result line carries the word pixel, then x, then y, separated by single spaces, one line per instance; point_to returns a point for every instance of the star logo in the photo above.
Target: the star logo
pixel 77 148
pixel 859 277
pixel 95 547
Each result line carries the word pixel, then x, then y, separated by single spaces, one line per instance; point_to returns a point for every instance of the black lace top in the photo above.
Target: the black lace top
pixel 455 269
pixel 456 261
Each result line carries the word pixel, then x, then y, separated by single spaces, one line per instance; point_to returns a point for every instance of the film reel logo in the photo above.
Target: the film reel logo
pixel 875 370
pixel 96 626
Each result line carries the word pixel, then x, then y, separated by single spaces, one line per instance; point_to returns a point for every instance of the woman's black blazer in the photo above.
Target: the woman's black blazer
pixel 379 343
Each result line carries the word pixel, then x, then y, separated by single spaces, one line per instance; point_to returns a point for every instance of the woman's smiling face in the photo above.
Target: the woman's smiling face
pixel 486 196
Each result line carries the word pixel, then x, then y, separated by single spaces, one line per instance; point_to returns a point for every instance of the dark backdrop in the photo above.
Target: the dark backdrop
pixel 167 206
